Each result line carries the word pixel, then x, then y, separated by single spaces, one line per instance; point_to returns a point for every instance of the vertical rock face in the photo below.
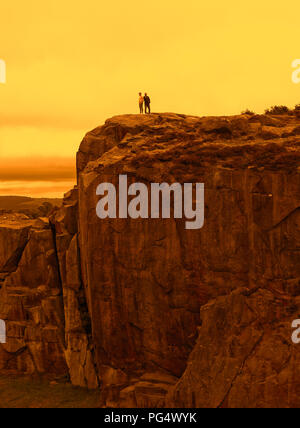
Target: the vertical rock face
pixel 30 299
pixel 243 356
pixel 146 280
pixel 78 341
pixel 146 309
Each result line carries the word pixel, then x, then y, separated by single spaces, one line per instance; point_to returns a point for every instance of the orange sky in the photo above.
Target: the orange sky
pixel 71 64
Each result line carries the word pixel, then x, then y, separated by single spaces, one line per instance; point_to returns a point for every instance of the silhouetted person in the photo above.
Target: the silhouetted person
pixel 141 103
pixel 147 103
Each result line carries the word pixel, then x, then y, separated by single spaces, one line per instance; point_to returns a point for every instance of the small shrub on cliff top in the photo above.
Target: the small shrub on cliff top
pixel 278 110
pixel 248 112
pixel 297 110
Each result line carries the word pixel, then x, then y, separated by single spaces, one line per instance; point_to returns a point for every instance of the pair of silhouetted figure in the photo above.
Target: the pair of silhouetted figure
pixel 144 100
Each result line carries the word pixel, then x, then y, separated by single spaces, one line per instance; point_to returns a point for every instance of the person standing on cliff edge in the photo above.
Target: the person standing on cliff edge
pixel 147 103
pixel 141 103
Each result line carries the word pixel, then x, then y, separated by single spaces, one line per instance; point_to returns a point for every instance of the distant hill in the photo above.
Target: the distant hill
pixel 33 207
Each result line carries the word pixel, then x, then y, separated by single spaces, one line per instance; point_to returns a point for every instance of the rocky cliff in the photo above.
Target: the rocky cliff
pixel 152 313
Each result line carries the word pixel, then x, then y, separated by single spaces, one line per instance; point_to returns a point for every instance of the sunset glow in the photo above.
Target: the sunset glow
pixel 70 66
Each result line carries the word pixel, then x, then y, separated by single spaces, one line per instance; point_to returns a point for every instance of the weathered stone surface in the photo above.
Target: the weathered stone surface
pixel 147 279
pixel 120 300
pixel 243 357
pixel 13 238
pixel 79 347
pixel 30 300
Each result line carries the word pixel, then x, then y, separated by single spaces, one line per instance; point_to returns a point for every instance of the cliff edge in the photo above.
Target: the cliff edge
pixel 153 314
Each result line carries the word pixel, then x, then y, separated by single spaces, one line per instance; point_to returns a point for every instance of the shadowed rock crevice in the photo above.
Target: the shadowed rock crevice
pixel 12 263
pixel 30 300
pixel 222 404
pixel 79 348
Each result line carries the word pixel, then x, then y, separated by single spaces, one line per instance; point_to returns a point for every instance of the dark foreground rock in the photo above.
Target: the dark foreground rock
pixel 152 313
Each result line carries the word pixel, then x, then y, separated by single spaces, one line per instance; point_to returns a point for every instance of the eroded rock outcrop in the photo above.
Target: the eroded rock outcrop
pixel 131 291
pixel 243 356
pixel 30 299
pixel 78 340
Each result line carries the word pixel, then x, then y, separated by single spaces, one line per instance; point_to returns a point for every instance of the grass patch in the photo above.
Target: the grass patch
pixel 20 392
